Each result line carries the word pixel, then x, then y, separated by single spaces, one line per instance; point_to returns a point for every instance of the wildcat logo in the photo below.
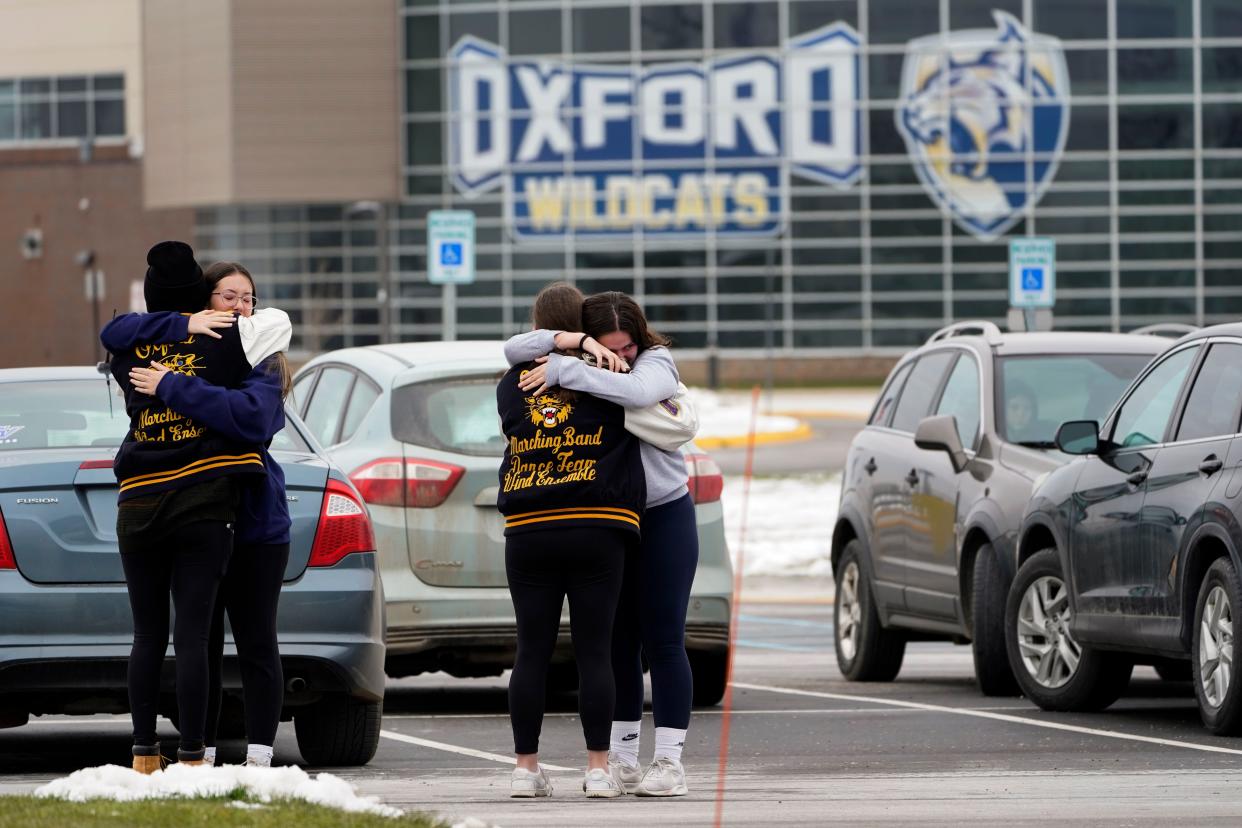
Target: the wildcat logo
pixel 183 363
pixel 984 115
pixel 548 411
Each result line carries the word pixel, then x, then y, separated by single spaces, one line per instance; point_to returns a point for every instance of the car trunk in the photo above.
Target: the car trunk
pixel 447 422
pixel 60 510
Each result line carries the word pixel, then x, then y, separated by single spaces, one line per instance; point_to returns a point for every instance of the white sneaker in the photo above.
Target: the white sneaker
pixel 664 777
pixel 627 775
pixel 601 784
pixel 524 784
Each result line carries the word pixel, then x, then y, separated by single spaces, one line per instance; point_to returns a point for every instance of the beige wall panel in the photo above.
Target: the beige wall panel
pixel 315 100
pixel 69 37
pixel 189 120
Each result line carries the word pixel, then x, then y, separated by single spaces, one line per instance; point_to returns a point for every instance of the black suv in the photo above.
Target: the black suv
pixel 1131 554
pixel 935 486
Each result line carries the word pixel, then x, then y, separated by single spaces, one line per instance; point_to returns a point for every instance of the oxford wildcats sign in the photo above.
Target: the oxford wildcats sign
pixel 668 149
pixel 984 115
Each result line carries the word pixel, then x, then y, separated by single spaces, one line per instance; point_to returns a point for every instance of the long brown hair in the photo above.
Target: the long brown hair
pixel 558 307
pixel 221 270
pixel 611 311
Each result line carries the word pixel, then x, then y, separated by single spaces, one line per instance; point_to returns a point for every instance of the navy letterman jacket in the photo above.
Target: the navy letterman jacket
pixel 568 462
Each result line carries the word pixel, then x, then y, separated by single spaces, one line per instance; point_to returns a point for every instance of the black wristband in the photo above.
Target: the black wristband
pixel 582 341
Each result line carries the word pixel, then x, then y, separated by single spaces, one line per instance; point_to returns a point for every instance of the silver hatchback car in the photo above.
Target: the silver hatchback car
pixel 414 425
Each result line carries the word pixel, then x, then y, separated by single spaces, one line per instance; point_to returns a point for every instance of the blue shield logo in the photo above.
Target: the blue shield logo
pixel 984 115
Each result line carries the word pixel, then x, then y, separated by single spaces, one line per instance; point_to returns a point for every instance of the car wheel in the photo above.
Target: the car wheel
pixel 987 626
pixel 710 672
pixel 865 650
pixel 1174 669
pixel 338 731
pixel 1216 685
pixel 1053 669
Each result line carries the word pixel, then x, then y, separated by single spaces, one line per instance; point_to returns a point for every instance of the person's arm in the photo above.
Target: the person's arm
pixel 526 347
pixel 252 413
pixel 128 329
pixel 652 378
pixel 265 332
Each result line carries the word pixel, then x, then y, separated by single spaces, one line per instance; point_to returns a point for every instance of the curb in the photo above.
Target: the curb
pixel 802 432
pixel 822 414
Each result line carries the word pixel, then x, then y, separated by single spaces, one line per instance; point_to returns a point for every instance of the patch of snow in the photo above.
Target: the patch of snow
pixel 473 822
pixel 729 416
pixel 187 781
pixel 788 526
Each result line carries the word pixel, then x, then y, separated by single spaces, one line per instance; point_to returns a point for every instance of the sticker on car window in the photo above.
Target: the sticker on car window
pixel 7 432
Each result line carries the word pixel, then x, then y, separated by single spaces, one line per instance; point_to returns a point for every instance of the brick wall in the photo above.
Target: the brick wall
pixel 45 318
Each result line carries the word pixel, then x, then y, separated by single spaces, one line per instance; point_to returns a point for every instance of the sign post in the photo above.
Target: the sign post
pixel 450 259
pixel 1032 280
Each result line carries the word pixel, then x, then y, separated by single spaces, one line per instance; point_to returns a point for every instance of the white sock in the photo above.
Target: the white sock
pixel 624 742
pixel 209 755
pixel 669 742
pixel 259 755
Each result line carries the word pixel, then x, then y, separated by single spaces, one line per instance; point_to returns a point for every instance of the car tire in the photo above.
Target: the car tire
pixel 1216 683
pixel 1037 651
pixel 1174 669
pixel 338 731
pixel 865 650
pixel 987 626
pixel 710 673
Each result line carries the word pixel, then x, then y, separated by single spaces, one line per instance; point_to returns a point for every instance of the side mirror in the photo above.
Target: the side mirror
pixel 1079 437
pixel 940 434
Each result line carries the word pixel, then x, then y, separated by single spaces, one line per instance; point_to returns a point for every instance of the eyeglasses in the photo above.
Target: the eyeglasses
pixel 249 300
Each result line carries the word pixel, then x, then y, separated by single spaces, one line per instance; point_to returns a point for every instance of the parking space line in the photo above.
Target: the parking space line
pixel 458 749
pixel 788 648
pixel 1000 717
pixel 785 622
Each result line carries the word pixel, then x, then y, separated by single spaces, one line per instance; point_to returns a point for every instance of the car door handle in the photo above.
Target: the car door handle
pixel 1211 465
pixel 871 466
pixel 913 477
pixel 1137 479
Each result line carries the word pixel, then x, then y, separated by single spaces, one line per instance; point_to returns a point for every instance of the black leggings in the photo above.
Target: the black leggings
pixel 189 562
pixel 543 567
pixel 651 619
pixel 250 592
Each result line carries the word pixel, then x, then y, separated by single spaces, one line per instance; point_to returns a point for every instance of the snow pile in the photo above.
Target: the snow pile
pixel 788 526
pixel 188 781
pixel 721 416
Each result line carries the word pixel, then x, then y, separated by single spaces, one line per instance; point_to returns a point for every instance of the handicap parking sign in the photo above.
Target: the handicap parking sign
pixel 450 247
pixel 450 253
pixel 1032 272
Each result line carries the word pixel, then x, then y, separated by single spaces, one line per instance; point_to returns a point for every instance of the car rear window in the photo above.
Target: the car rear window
pixel 61 414
pixel 457 414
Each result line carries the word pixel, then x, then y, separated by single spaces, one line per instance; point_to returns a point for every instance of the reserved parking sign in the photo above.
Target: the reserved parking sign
pixel 1032 272
pixel 450 247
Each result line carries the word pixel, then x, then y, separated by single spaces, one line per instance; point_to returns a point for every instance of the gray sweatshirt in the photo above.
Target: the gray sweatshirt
pixel 652 377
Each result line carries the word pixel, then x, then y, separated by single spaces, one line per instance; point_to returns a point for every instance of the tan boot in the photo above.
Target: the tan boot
pixel 149 764
pixel 192 762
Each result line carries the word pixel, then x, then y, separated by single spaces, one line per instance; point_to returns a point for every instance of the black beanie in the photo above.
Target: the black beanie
pixel 174 280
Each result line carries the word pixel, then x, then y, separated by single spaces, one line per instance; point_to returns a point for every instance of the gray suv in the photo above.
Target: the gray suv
pixel 935 486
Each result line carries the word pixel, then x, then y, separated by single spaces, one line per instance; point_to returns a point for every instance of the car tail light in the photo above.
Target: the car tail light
pixel 7 561
pixel 391 481
pixel 344 526
pixel 95 464
pixel 706 482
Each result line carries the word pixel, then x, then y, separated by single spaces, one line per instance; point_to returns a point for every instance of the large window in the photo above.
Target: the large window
pixel 1143 194
pixel 79 106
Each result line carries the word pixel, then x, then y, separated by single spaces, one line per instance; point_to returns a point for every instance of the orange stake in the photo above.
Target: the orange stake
pixel 726 717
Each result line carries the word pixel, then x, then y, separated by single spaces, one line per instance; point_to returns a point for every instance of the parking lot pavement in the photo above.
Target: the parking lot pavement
pixel 806 748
